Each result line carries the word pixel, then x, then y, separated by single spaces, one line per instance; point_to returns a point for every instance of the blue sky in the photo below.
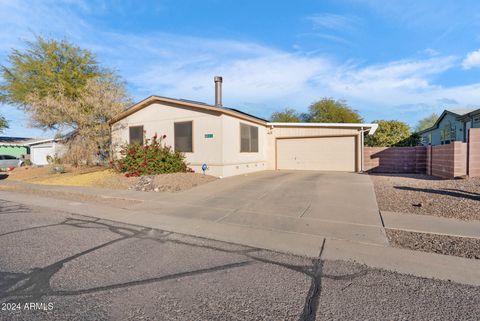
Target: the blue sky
pixel 388 59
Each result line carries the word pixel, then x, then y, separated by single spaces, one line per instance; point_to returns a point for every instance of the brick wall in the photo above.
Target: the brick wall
pixel 474 152
pixel 395 159
pixel 447 161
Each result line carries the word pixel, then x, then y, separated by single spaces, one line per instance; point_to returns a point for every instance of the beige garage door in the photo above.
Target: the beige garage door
pixel 319 153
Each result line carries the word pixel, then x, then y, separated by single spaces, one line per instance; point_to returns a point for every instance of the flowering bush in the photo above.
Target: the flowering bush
pixel 151 158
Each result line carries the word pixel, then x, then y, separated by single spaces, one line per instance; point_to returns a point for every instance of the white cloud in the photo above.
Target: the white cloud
pixel 471 60
pixel 334 21
pixel 431 52
pixel 257 78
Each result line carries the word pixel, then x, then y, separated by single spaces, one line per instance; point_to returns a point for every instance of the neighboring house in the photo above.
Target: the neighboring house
pixel 35 149
pixel 15 146
pixel 452 125
pixel 42 149
pixel 231 142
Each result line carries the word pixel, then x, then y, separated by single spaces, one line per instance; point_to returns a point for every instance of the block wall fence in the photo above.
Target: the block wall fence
pixel 395 159
pixel 452 160
pixel 474 152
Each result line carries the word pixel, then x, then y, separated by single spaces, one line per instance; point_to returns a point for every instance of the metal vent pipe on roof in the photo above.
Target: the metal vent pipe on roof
pixel 218 91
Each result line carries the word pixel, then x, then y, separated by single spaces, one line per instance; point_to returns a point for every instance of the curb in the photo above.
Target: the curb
pixel 422 264
pixel 430 224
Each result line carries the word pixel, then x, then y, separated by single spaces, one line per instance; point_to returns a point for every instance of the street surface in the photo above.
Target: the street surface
pixel 62 266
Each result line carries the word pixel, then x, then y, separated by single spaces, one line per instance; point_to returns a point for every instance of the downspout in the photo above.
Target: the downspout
pixel 361 150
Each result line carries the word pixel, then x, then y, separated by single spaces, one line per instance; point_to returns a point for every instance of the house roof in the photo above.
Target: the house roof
pixel 462 111
pixel 459 112
pixel 231 112
pixel 186 103
pixel 18 141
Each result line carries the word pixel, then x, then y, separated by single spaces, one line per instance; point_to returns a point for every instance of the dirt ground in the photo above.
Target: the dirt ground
pixel 31 173
pixel 441 244
pixel 421 194
pixel 100 177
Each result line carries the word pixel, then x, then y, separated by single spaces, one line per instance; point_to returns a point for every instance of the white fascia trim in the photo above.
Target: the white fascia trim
pixel 53 140
pixel 14 145
pixel 371 127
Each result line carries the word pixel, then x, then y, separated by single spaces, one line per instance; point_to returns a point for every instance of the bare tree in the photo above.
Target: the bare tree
pixel 87 115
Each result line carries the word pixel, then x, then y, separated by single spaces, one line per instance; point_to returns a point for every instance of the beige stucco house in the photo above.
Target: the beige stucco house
pixel 231 142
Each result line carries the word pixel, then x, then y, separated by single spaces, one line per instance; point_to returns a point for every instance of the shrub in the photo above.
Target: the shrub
pixel 56 169
pixel 151 158
pixel 54 160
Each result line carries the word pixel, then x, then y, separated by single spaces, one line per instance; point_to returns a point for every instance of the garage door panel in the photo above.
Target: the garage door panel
pixel 318 153
pixel 39 154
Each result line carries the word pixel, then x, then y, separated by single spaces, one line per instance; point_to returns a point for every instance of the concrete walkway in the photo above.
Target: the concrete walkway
pixel 431 224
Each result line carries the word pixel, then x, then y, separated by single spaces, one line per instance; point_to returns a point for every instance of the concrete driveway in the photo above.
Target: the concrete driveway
pixel 329 204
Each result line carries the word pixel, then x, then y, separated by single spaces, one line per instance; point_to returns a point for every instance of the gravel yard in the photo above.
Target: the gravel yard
pixel 421 194
pixel 436 243
pixel 171 182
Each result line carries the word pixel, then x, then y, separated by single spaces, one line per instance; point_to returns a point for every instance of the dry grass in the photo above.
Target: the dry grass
pixel 103 178
pixel 32 174
pixel 106 178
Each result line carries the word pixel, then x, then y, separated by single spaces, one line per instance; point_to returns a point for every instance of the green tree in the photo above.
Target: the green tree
pixel 3 124
pixel 329 110
pixel 426 122
pixel 288 115
pixel 61 86
pixel 43 67
pixel 389 133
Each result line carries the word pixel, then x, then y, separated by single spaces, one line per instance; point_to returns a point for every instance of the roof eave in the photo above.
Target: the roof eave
pixel 371 127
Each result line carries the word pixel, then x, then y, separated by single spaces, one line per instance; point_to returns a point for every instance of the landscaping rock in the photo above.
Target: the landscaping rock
pixel 436 243
pixel 422 194
pixel 145 183
pixel 174 182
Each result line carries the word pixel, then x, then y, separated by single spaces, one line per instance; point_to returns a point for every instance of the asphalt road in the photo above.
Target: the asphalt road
pixel 61 266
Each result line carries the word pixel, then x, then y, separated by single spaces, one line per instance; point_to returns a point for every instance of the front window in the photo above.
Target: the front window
pixel 248 139
pixel 184 137
pixel 136 135
pixel 448 133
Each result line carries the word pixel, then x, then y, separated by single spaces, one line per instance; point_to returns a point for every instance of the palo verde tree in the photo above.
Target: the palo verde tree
pixel 390 133
pixel 3 124
pixel 62 86
pixel 426 122
pixel 288 115
pixel 329 110
pixel 326 110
